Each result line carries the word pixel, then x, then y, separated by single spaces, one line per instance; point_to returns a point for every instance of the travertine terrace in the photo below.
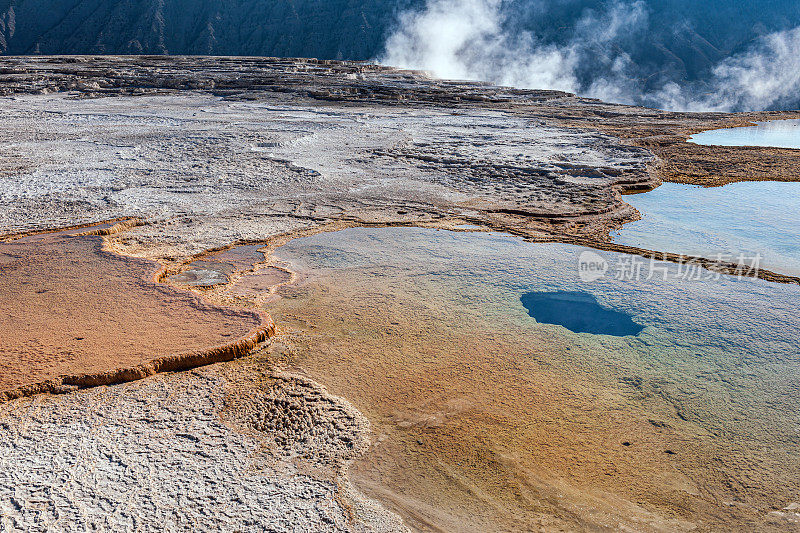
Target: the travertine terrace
pixel 75 315
pixel 211 151
pixel 204 153
pixel 185 452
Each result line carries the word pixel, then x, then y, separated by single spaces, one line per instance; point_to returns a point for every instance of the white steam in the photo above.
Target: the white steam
pixel 463 39
pixel 766 76
pixel 466 39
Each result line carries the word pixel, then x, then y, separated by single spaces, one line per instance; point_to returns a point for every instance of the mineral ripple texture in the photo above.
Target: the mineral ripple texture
pixel 210 151
pixel 184 452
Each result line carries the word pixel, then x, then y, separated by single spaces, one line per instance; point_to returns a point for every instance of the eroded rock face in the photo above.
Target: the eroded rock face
pixel 249 78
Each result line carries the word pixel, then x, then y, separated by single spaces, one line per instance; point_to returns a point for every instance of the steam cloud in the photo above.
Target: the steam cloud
pixel 765 77
pixel 471 39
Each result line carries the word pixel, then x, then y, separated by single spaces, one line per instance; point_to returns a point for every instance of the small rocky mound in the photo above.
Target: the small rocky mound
pixel 299 421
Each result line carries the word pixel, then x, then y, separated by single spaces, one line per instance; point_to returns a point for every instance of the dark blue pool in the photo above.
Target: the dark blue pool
pixel 578 312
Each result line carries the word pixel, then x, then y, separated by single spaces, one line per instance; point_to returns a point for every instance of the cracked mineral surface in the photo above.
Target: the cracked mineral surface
pixel 164 454
pixel 214 163
pixel 216 150
pixel 207 171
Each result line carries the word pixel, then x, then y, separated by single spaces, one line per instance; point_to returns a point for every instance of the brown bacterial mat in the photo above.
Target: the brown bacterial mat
pixel 70 308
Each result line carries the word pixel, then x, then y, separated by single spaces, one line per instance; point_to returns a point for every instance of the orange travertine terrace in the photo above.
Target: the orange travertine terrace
pixel 70 308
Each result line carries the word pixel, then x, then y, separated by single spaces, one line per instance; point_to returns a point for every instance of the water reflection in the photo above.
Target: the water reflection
pixel 777 134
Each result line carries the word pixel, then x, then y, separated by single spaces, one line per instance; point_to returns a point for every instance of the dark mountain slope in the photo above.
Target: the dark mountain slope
pixel 308 28
pixel 678 41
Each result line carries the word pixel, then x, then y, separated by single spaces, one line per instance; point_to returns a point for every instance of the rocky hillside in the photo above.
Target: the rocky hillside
pixel 685 36
pixel 307 28
pixel 651 44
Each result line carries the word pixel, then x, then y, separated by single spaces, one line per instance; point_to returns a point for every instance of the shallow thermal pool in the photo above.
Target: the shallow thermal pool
pixel 755 220
pixel 746 327
pixel 219 267
pixel 411 323
pixel 487 274
pixel 777 134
